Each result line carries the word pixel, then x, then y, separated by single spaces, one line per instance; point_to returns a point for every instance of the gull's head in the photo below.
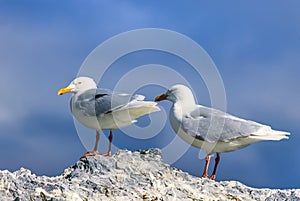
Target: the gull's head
pixel 78 85
pixel 177 93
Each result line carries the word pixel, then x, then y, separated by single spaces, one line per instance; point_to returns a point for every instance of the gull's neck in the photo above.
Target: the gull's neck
pixel 84 90
pixel 182 107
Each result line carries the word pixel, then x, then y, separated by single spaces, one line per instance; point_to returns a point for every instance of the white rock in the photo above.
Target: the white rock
pixel 127 175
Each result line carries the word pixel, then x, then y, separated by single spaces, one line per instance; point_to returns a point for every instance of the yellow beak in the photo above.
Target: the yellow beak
pixel 161 97
pixel 63 91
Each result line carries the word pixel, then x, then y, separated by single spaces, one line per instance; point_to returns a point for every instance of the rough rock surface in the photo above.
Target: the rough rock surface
pixel 127 175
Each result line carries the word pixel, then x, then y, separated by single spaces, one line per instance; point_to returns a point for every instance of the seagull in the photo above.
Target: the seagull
pixel 101 109
pixel 211 129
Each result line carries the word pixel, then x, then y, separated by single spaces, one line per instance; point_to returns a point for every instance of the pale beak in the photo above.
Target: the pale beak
pixel 161 97
pixel 64 90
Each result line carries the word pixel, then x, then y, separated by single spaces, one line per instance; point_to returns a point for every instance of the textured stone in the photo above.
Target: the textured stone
pixel 127 175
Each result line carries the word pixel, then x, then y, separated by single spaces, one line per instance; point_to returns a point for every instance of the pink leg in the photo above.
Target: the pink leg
pixel 110 137
pixel 95 150
pixel 205 172
pixel 213 176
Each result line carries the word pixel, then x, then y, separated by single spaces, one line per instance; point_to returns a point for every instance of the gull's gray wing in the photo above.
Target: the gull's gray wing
pixel 96 102
pixel 213 125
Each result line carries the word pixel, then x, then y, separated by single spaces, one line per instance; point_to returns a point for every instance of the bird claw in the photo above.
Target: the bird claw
pixel 106 154
pixel 90 153
pixel 94 153
pixel 212 177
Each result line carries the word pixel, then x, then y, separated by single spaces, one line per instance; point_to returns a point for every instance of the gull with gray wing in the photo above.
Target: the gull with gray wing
pixel 101 109
pixel 211 129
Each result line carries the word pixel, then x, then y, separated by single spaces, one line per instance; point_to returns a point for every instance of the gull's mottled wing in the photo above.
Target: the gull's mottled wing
pixel 96 102
pixel 213 125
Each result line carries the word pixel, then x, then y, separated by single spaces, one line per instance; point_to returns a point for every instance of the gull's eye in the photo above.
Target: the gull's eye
pixel 79 82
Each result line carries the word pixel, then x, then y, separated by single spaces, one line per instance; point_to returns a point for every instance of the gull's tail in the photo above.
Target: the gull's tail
pixel 267 133
pixel 137 108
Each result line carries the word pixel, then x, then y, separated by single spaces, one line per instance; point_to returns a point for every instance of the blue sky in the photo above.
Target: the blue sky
pixel 255 45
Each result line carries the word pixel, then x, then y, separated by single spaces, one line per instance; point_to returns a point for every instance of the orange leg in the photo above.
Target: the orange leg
pixel 213 176
pixel 110 137
pixel 95 150
pixel 205 172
